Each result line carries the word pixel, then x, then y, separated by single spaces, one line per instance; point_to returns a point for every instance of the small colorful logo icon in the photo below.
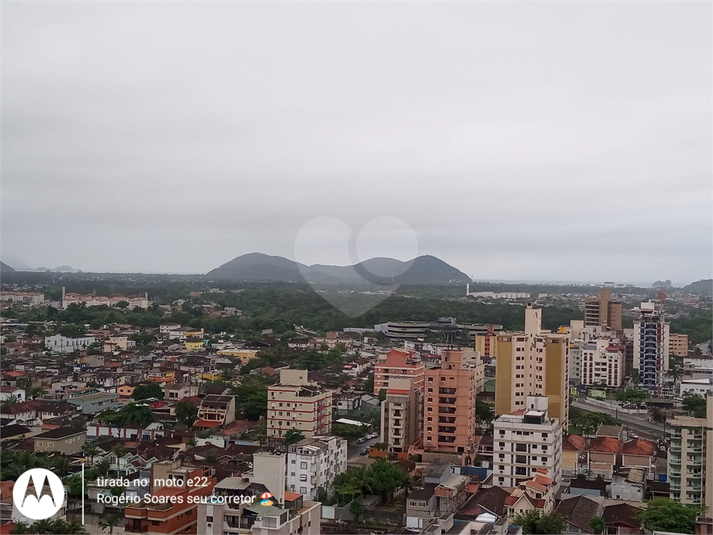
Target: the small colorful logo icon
pixel 266 499
pixel 38 494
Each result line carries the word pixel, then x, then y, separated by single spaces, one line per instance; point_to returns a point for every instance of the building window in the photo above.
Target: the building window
pixel 209 519
pixel 303 477
pixel 303 466
pixel 303 490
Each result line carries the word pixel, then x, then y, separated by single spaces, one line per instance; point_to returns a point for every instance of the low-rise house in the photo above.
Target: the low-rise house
pixel 628 484
pixel 621 519
pixel 216 411
pixel 151 432
pixel 421 506
pixel 64 440
pixel 489 500
pixel 640 453
pixel 12 392
pixel 580 486
pixel 535 493
pixel 603 455
pixel 178 391
pixel 14 432
pixel 95 403
pixel 574 455
pixel 578 512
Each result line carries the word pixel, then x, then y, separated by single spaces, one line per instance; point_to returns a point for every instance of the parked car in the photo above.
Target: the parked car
pixel 372 435
pixel 361 440
pixel 365 451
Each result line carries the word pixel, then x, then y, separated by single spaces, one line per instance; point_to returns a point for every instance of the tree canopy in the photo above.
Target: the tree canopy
pixel 147 390
pixel 537 522
pixel 665 514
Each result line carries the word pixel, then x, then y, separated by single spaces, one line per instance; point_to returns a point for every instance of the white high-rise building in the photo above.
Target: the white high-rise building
pixel 524 441
pixel 315 462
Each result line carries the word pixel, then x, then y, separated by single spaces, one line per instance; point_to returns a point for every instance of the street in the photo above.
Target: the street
pixel 638 424
pixel 354 449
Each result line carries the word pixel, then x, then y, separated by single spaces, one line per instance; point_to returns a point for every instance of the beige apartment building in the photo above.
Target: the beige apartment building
pixel 398 364
pixel 532 363
pixel 401 415
pixel 603 311
pixel 678 345
pixel 298 404
pixel 690 453
pixel 449 405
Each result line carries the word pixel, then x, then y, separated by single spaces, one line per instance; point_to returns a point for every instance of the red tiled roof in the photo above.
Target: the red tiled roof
pixel 291 496
pixel 207 423
pixel 605 445
pixel 639 446
pixel 573 443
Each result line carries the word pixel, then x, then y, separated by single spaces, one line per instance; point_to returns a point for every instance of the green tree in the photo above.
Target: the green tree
pixel 61 465
pixel 90 450
pixel 357 509
pixel 186 412
pixel 484 412
pixel 147 390
pixel 632 395
pixel 694 404
pixel 597 524
pixel 385 478
pixel 293 436
pixel 665 514
pixel 537 522
pixel 103 466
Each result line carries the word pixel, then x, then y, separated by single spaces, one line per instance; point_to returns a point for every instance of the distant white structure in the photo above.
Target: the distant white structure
pixel 495 295
pixel 26 298
pixel 63 344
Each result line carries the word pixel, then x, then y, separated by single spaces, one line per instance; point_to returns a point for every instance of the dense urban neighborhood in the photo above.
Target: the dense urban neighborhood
pixel 213 408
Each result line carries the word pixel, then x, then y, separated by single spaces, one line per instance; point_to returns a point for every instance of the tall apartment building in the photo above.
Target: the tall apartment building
pixel 398 364
pixel 690 454
pixel 603 311
pixel 532 363
pixel 651 346
pixel 485 343
pixel 525 441
pixel 678 345
pixel 315 462
pixel 401 415
pixel 597 361
pixel 449 405
pixel 298 404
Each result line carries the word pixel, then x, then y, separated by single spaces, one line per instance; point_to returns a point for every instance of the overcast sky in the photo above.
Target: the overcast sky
pixel 552 141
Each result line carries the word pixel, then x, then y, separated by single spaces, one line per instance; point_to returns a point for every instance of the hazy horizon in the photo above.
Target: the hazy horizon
pixel 511 140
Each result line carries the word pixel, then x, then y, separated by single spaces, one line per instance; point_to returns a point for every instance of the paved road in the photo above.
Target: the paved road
pixel 638 423
pixel 354 449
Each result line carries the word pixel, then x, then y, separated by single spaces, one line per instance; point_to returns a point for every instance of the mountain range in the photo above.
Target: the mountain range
pixel 261 267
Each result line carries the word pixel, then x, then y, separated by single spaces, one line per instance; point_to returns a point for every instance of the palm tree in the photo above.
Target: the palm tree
pixel 103 466
pixel 119 451
pixel 61 465
pixel 111 522
pixel 90 450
